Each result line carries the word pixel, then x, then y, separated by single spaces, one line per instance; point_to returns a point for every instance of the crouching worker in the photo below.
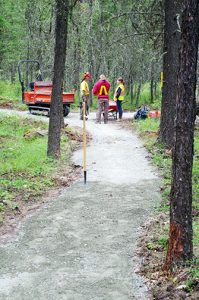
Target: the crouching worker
pixel 101 90
pixel 119 96
pixel 84 92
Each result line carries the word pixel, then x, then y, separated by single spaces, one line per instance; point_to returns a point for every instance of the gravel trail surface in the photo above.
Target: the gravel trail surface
pixel 81 245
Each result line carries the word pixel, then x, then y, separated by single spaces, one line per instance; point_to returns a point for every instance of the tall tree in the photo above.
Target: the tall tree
pixel 180 240
pixel 173 10
pixel 90 49
pixel 56 110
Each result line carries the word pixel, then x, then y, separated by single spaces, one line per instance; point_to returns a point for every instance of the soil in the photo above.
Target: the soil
pixel 152 258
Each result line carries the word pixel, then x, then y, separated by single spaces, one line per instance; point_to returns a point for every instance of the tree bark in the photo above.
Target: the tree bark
pixel 138 94
pixel 155 89
pixel 77 60
pixel 152 82
pixel 173 10
pixel 180 241
pixel 151 89
pixel 90 50
pixel 131 90
pixel 56 110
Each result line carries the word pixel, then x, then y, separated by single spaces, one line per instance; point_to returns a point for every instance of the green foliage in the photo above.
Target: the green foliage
pixel 195 270
pixel 147 126
pixel 103 37
pixel 10 95
pixel 10 90
pixel 2 207
pixel 192 282
pixel 163 241
pixel 196 232
pixel 156 244
pixel 25 168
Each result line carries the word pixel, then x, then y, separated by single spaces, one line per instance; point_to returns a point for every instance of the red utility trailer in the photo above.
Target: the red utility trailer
pixel 37 94
pixel 112 109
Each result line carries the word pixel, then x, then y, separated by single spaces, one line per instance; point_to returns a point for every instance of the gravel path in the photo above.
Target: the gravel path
pixel 81 245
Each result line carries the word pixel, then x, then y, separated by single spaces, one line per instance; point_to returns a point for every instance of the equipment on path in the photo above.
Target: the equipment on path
pixel 37 94
pixel 154 114
pixel 141 113
pixel 112 109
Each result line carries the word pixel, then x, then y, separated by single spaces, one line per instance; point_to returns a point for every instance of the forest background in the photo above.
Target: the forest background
pixel 116 38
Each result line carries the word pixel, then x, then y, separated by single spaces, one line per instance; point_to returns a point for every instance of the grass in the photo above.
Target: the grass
pixel 148 129
pixel 10 90
pixel 10 97
pixel 144 99
pixel 26 171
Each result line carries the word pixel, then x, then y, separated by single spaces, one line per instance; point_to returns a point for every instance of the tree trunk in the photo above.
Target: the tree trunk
pixel 77 60
pixel 180 240
pixel 90 50
pixel 56 110
pixel 151 89
pixel 131 91
pixel 173 10
pixel 155 89
pixel 138 94
pixel 152 82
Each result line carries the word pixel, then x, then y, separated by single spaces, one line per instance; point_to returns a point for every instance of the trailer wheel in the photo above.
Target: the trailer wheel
pixel 66 110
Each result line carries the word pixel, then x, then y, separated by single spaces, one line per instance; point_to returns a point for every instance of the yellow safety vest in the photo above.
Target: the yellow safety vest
pixel 84 89
pixel 121 96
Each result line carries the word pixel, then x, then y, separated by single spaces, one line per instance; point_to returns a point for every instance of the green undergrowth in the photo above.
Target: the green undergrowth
pixel 26 171
pixel 148 130
pixel 10 95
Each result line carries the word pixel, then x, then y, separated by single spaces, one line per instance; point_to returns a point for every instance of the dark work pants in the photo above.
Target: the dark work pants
pixel 119 107
pixel 84 99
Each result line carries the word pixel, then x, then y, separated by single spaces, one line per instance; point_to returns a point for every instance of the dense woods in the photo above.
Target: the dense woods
pixel 112 37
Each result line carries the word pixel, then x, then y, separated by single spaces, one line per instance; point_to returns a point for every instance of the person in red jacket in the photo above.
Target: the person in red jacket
pixel 101 90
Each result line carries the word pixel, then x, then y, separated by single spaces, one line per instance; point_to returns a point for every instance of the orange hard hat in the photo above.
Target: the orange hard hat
pixel 87 75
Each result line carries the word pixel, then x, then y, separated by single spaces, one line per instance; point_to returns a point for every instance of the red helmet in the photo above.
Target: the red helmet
pixel 87 75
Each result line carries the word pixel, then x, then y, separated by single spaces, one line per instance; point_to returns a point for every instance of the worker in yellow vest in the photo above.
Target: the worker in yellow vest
pixel 119 95
pixel 84 92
